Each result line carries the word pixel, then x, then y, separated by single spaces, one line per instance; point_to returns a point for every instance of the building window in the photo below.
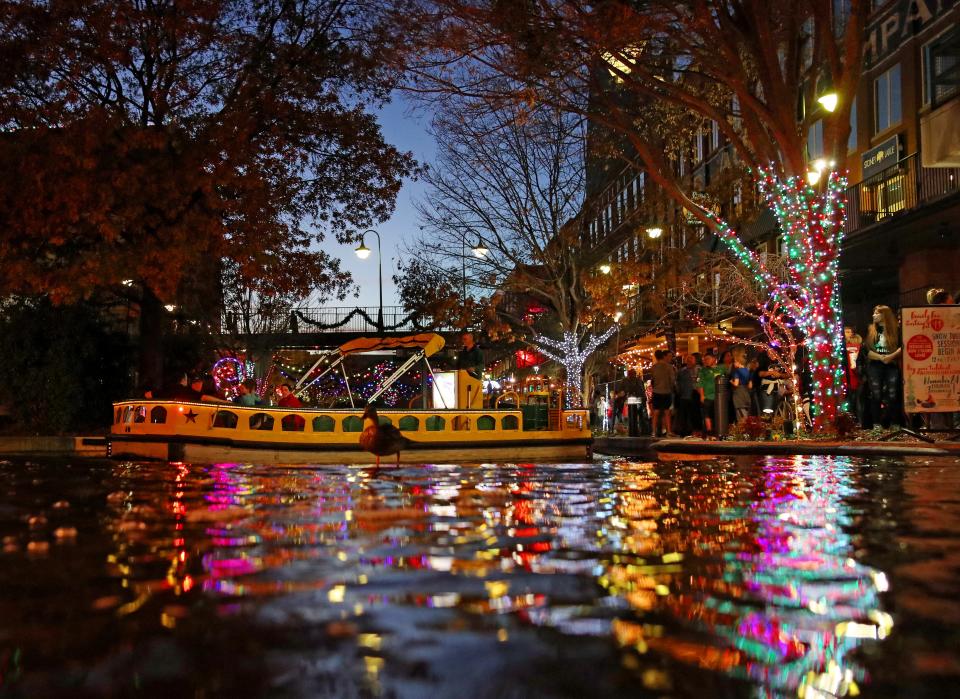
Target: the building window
pixel 941 69
pixel 886 100
pixel 815 140
pixel 852 139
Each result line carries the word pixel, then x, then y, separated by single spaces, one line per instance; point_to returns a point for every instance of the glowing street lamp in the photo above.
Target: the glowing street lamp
pixel 829 100
pixel 363 252
pixel 605 268
pixel 654 232
pixel 479 251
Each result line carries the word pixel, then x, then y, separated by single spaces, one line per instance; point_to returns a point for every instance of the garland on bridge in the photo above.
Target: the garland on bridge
pixel 359 311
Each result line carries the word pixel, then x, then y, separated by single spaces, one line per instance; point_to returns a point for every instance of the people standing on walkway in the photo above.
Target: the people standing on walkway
pixel 768 384
pixel 740 381
pixel 664 377
pixel 853 342
pixel 707 388
pixel 688 397
pixel 619 401
pixel 883 368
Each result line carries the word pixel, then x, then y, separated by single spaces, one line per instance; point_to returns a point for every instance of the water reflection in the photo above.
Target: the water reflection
pixel 681 579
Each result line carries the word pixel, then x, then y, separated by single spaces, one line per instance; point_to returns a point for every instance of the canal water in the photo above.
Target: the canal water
pixel 803 576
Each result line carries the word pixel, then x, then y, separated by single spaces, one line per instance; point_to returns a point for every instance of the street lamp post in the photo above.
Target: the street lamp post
pixel 479 251
pixel 363 252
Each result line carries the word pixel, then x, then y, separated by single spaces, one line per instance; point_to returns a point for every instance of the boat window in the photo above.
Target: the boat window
pixel 510 422
pixel 226 419
pixel 141 415
pixel 435 423
pixel 384 420
pixel 118 416
pixel 128 414
pixel 409 423
pixel 158 415
pixel 261 421
pixel 323 423
pixel 293 423
pixel 485 422
pixel 352 423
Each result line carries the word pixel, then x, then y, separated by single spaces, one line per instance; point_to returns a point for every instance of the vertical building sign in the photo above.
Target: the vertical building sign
pixel 931 359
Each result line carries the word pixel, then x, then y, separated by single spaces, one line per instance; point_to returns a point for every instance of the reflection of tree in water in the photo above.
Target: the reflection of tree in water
pixel 746 572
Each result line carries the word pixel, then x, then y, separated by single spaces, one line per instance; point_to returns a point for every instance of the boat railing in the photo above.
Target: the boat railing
pixel 161 417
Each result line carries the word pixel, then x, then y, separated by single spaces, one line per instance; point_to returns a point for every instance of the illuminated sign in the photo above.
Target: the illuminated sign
pixel 878 159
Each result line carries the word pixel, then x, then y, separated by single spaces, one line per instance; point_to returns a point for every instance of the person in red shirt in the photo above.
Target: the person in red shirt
pixel 287 398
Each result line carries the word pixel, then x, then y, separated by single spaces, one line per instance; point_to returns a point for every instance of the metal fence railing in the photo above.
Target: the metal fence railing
pixel 901 187
pixel 352 319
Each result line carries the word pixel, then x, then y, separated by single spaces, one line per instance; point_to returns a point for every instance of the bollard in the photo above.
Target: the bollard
pixel 721 406
pixel 633 417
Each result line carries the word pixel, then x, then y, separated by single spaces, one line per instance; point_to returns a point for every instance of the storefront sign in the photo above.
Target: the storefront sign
pixel 878 159
pixel 904 19
pixel 931 359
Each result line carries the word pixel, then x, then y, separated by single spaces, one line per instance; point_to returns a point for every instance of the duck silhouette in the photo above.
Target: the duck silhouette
pixel 381 440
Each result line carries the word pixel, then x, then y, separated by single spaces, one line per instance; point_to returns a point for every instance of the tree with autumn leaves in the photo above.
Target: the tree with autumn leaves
pixel 754 70
pixel 145 142
pixel 502 235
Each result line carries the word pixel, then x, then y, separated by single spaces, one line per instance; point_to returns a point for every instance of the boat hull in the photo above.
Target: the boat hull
pixel 211 433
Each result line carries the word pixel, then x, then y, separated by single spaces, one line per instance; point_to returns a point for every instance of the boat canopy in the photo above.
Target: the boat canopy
pixel 430 343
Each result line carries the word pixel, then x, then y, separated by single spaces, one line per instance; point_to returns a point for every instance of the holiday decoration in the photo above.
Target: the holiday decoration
pixel 228 373
pixel 568 353
pixel 811 221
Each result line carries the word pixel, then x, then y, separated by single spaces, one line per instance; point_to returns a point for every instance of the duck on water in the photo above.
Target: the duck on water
pixel 381 440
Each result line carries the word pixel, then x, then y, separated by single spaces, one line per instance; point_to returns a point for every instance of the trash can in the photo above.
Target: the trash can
pixel 721 406
pixel 633 416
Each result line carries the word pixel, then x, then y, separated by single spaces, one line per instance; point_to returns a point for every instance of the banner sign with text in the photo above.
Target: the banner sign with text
pixel 931 359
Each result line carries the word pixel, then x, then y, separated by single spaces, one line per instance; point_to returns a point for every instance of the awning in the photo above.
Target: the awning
pixel 430 343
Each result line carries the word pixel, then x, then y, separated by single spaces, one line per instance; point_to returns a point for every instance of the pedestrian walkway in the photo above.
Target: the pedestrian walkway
pixel 663 448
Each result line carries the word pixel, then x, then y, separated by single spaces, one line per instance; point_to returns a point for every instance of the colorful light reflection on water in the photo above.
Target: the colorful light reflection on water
pixel 745 578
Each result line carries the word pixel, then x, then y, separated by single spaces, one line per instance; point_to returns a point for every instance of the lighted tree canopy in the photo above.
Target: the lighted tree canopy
pixel 639 68
pixel 143 139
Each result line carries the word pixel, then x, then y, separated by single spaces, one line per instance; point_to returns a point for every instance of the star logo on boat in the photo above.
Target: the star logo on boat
pixel 191 416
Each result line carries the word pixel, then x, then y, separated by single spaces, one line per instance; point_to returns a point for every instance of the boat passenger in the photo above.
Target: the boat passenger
pixel 247 394
pixel 287 397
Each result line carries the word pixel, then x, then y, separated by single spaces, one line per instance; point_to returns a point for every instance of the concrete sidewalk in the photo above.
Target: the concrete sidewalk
pixel 664 448
pixel 93 446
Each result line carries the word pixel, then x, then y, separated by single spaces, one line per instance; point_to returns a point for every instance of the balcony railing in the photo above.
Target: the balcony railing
pixel 311 320
pixel 897 189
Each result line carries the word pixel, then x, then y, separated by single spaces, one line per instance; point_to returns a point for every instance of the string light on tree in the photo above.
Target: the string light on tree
pixel 567 352
pixel 811 221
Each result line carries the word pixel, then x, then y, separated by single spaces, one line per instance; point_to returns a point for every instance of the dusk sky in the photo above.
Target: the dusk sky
pixel 407 131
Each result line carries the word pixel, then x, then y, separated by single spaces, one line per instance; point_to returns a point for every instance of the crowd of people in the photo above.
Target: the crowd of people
pixel 201 389
pixel 676 396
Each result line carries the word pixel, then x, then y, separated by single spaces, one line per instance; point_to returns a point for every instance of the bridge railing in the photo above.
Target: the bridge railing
pixel 345 319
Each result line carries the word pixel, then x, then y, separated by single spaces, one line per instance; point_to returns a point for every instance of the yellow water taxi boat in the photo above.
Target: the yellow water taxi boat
pixel 465 431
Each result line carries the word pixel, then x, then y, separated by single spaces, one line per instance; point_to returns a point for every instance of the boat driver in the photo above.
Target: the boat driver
pixel 470 358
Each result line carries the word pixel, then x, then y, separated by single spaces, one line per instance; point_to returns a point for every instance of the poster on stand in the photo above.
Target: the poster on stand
pixel 931 359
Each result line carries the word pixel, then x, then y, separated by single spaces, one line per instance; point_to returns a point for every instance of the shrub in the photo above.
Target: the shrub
pixel 845 424
pixel 753 427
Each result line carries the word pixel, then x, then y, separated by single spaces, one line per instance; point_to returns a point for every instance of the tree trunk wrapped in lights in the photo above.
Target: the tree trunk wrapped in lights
pixel 808 288
pixel 568 352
